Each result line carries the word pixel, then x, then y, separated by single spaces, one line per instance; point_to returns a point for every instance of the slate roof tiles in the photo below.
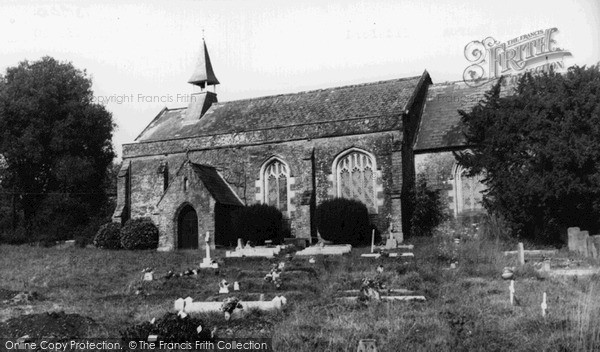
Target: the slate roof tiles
pixel 383 98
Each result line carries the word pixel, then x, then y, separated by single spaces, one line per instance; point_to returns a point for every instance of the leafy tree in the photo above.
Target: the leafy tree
pixel 55 142
pixel 431 208
pixel 540 150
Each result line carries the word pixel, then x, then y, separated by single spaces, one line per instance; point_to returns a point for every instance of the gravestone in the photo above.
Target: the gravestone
pixel 596 241
pixel 582 242
pixel 366 345
pixel 578 241
pixel 592 250
pixel 572 233
pixel 207 261
pixel 391 243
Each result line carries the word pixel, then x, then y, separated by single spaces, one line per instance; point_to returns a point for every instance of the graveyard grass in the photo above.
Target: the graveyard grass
pixel 467 309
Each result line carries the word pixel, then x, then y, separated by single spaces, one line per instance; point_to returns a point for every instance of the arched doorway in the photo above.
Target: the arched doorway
pixel 187 228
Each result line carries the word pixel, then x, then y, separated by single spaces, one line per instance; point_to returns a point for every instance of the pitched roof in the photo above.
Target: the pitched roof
pixel 216 185
pixel 440 127
pixel 385 98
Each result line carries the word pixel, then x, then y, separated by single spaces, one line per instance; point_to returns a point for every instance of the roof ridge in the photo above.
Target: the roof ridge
pixel 322 89
pixel 309 91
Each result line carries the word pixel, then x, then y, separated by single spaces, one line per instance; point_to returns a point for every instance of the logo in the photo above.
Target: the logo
pixel 533 52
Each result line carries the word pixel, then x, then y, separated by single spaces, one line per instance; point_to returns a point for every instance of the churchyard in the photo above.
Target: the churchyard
pixel 465 303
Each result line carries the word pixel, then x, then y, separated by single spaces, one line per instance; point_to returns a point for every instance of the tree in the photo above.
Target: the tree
pixel 431 208
pixel 540 151
pixel 56 142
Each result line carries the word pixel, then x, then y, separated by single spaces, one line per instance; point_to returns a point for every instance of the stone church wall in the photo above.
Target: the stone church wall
pixel 241 168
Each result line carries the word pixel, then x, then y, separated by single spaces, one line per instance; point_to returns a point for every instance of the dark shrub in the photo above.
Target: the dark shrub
pixel 108 236
pixel 140 233
pixel 343 220
pixel 19 236
pixel 258 223
pixel 169 328
pixel 429 211
pixel 58 218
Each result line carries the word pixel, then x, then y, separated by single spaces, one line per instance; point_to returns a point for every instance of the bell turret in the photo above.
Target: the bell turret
pixel 203 76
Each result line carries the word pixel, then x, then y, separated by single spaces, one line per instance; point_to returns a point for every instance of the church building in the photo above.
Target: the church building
pixel 190 167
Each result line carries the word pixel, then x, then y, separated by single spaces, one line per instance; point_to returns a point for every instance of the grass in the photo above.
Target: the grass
pixel 467 309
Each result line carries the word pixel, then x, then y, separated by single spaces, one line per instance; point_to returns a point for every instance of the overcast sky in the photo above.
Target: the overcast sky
pixel 148 50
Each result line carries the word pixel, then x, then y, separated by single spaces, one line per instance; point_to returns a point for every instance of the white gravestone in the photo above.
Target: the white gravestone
pixel 207 262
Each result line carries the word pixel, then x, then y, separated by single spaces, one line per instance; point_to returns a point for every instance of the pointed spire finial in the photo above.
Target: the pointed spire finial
pixel 203 74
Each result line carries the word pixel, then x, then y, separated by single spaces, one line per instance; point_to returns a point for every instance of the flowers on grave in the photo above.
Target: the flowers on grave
pixel 229 305
pixel 169 274
pixel 370 289
pixel 274 276
pixel 380 269
pixel 382 252
pixel 508 273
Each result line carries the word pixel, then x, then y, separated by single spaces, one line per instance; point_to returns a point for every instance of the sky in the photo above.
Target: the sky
pixel 140 55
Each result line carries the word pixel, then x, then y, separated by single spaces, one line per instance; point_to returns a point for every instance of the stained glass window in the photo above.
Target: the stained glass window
pixel 276 177
pixel 355 178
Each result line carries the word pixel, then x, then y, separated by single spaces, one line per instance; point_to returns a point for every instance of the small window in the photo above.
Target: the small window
pixel 163 170
pixel 185 184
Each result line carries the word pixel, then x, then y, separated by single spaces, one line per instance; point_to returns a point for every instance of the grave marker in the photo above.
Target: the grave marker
pixel 572 233
pixel 592 250
pixel 366 345
pixel 373 241
pixel 544 305
pixel 582 242
pixel 223 286
pixel 207 262
pixel 521 254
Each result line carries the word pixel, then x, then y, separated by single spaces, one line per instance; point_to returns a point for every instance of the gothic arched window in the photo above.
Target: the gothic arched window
pixel 356 178
pixel 276 175
pixel 467 192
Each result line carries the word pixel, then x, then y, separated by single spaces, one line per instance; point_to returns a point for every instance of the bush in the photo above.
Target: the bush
pixel 140 233
pixel 429 209
pixel 343 220
pixel 169 328
pixel 258 223
pixel 108 236
pixel 19 236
